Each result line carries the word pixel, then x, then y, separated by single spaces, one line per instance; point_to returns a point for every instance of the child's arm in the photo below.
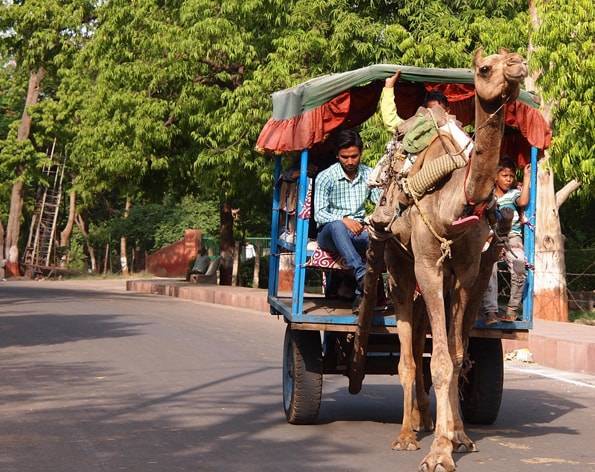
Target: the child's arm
pixel 523 199
pixel 388 108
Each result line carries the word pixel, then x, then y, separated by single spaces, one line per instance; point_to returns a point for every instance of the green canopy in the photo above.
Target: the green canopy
pixel 294 101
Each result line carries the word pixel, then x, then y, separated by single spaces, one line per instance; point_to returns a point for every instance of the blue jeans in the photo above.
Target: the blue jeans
pixel 335 237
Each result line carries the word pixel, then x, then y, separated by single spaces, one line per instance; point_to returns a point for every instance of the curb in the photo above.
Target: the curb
pixel 247 298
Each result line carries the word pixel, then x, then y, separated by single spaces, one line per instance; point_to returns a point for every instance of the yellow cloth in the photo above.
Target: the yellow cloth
pixel 388 110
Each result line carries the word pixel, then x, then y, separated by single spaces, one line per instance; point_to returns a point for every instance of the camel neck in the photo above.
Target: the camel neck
pixel 489 122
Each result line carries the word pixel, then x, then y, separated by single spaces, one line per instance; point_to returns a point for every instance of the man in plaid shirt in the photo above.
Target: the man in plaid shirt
pixel 340 193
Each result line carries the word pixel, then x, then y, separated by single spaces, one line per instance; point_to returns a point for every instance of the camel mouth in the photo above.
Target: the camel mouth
pixel 516 77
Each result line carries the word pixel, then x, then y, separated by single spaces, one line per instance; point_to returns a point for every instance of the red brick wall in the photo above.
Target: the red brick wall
pixel 173 260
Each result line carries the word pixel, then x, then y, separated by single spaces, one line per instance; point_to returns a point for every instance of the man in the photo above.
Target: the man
pixel 421 132
pixel 340 194
pixel 388 109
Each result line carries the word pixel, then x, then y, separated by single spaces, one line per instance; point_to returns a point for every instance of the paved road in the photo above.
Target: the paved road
pixel 98 381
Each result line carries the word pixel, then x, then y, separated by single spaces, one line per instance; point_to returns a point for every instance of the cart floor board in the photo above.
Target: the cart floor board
pixel 318 305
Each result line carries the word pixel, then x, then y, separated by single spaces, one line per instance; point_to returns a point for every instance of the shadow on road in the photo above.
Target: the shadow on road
pixel 86 419
pixel 29 294
pixel 37 330
pixel 219 424
pixel 523 413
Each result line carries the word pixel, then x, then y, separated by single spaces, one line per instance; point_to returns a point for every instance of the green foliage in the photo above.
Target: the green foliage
pixel 564 46
pixel 13 87
pixel 189 213
pixel 151 226
pixel 77 259
pixel 43 33
pixel 160 99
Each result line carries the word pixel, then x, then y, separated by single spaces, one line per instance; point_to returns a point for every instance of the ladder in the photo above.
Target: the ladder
pixel 42 232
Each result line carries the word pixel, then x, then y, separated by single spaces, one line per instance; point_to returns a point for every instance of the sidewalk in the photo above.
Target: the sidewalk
pixel 563 346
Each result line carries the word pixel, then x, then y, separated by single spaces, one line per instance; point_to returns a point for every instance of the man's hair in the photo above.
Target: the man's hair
pixel 436 96
pixel 347 138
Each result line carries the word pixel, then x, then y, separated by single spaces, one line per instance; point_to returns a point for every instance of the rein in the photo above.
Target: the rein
pixel 483 125
pixel 445 244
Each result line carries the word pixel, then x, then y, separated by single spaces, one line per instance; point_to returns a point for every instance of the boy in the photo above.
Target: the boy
pixel 509 197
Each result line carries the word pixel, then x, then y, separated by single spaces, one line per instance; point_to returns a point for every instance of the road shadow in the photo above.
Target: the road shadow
pixel 15 295
pixel 37 330
pixel 523 413
pixel 80 417
pixel 96 418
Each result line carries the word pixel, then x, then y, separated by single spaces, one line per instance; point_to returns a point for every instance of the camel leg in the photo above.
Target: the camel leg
pixel 375 263
pixel 457 346
pixel 430 280
pixel 402 295
pixel 421 415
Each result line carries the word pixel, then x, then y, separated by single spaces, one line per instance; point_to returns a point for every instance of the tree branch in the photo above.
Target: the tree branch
pixel 565 192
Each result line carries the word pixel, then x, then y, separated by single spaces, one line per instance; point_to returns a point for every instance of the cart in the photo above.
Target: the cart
pixel 319 333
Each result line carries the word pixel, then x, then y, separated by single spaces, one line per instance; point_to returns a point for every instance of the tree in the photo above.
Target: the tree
pixel 39 35
pixel 561 50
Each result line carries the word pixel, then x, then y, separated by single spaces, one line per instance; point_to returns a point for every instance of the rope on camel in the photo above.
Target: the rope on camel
pixel 444 243
pixel 431 173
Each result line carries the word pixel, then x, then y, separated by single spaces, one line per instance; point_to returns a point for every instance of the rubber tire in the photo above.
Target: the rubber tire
pixel 302 376
pixel 481 394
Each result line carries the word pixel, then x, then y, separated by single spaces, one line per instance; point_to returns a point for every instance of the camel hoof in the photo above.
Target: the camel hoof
pixel 462 444
pixel 464 448
pixel 443 466
pixel 405 442
pixel 439 459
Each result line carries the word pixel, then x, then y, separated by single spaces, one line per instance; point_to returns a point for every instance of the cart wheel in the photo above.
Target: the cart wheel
pixel 302 376
pixel 481 391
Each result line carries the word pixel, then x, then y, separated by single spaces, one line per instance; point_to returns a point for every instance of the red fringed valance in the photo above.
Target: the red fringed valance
pixel 354 106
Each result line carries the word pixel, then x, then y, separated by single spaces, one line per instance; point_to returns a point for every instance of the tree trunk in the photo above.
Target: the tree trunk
pixel 90 249
pixel 1 240
pixel 16 197
pixel 550 297
pixel 13 229
pixel 67 231
pixel 565 192
pixel 236 264
pixel 227 245
pixel 123 256
pixel 1 251
pixel 256 272
pixel 106 259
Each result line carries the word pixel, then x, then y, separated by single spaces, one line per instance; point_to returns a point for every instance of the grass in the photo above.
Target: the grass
pixel 582 317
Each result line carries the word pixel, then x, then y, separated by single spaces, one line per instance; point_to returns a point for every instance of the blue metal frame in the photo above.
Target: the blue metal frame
pixel 529 233
pixel 295 314
pixel 274 256
pixel 301 241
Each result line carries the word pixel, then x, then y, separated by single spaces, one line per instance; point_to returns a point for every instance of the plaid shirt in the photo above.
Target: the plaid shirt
pixel 335 196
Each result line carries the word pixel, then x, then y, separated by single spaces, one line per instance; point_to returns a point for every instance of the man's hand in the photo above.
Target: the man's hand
pixel 353 225
pixel 391 81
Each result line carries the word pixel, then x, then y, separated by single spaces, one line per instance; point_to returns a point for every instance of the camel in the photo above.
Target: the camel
pixel 452 265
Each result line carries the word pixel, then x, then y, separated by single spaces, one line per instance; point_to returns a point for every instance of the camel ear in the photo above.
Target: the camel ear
pixel 477 56
pixel 503 51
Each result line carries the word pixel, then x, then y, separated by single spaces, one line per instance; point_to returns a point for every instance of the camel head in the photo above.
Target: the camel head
pixel 498 77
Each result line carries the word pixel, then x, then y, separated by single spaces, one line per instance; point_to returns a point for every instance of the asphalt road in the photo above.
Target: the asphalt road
pixel 99 381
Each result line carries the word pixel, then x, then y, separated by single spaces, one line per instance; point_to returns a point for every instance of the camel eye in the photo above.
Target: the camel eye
pixel 484 70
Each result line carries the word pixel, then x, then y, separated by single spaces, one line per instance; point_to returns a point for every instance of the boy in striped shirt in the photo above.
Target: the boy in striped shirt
pixel 509 197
